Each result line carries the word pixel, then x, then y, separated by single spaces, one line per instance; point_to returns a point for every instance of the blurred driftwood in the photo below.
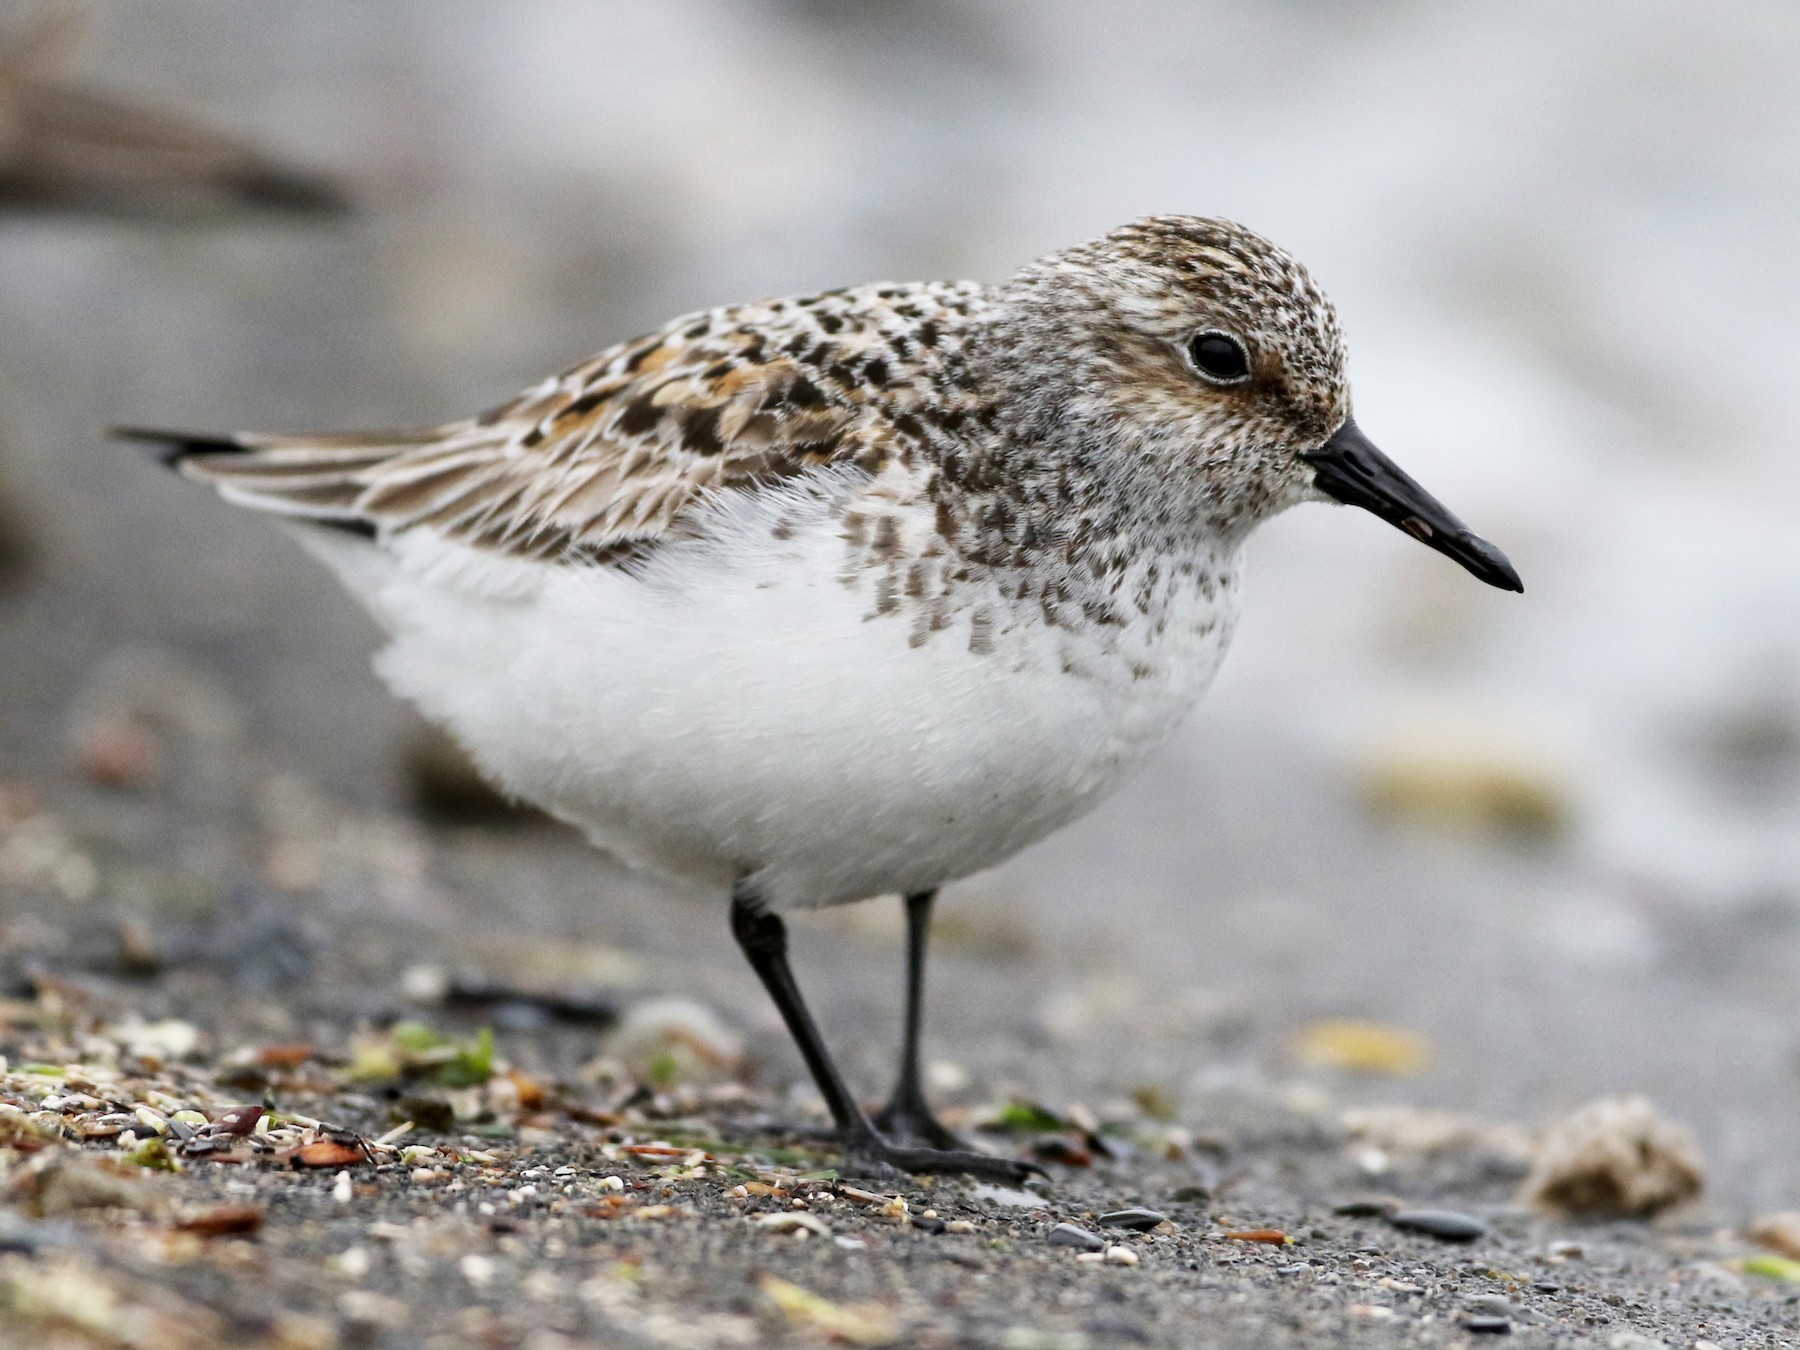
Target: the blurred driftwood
pixel 62 147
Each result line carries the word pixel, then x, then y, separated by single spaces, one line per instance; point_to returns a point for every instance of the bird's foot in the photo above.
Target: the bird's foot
pixel 869 1155
pixel 911 1123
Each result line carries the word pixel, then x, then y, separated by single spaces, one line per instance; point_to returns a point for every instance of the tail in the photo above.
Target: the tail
pixel 315 479
pixel 174 446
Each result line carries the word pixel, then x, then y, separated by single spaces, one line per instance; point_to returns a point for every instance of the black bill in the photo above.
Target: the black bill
pixel 1351 469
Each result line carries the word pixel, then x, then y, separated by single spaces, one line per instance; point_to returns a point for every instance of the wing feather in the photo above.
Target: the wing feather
pixel 600 462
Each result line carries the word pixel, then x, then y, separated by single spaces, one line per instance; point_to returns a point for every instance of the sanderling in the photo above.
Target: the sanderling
pixel 857 593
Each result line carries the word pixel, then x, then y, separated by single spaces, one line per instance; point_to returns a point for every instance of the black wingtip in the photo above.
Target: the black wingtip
pixel 175 446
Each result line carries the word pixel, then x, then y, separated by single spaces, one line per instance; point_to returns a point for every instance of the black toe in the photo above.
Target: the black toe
pixel 876 1157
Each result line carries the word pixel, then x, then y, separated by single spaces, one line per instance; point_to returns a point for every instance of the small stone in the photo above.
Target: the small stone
pixel 1367 1207
pixel 343 1189
pixel 1492 1305
pixel 1439 1223
pixel 1488 1326
pixel 1138 1220
pixel 1297 1268
pixel 1121 1256
pixel 959 1226
pixel 1068 1235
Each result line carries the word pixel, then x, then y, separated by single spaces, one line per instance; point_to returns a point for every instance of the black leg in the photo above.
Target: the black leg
pixel 763 937
pixel 907 1116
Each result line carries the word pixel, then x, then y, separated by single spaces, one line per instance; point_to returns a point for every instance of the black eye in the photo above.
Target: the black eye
pixel 1219 357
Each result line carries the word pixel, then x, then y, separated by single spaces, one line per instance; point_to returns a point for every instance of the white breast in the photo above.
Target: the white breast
pixel 735 706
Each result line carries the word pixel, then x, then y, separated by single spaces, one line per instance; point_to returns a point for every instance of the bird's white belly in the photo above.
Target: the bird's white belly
pixel 735 708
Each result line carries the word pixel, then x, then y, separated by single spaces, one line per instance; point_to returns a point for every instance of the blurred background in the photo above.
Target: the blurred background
pixel 1552 837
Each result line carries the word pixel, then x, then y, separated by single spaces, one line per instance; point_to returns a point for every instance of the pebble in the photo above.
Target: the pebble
pixel 1491 1326
pixel 1068 1235
pixel 1121 1256
pixel 1366 1207
pixel 1492 1305
pixel 1138 1220
pixel 1441 1223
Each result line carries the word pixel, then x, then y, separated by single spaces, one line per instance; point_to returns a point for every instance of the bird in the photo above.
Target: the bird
pixel 852 594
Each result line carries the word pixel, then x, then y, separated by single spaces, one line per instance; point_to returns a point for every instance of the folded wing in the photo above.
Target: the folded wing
pixel 593 466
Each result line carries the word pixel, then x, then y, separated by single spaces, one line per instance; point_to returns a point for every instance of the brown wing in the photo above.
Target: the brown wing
pixel 591 466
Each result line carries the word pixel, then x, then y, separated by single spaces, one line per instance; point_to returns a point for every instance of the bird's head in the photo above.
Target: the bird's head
pixel 1213 363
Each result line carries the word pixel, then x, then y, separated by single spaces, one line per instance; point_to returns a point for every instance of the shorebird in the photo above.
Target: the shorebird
pixel 857 593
